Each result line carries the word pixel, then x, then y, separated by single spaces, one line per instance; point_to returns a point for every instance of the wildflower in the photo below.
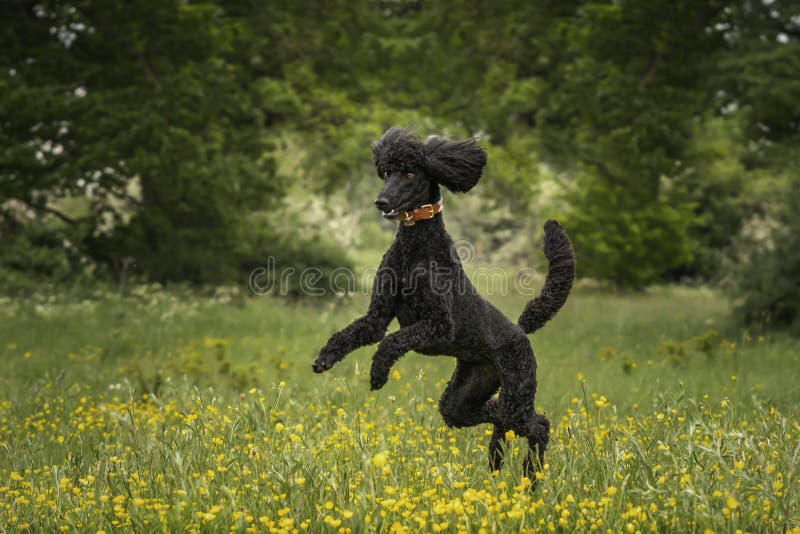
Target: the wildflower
pixel 611 490
pixel 332 522
pixel 731 503
pixel 379 460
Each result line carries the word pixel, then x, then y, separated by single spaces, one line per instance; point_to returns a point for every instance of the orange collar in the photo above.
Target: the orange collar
pixel 422 213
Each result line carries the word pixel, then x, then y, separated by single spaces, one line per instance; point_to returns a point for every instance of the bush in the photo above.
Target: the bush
pixel 764 271
pixel 33 254
pixel 291 261
pixel 630 244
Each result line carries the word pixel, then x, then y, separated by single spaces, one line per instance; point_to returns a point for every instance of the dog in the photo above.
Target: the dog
pixel 421 282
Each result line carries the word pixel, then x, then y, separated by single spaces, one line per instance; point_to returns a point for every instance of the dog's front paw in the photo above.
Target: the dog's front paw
pixel 324 361
pixel 378 377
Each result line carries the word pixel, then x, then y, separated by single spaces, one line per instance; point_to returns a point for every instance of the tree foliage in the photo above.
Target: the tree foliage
pixel 163 118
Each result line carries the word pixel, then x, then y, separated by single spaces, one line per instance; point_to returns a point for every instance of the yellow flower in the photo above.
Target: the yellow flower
pixel 511 435
pixel 332 522
pixel 379 460
pixel 611 490
pixel 731 503
pixel 396 374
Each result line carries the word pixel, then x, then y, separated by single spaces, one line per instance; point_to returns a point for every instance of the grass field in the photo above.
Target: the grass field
pixel 163 411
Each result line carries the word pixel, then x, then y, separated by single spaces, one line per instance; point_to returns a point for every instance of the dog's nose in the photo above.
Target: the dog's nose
pixel 382 203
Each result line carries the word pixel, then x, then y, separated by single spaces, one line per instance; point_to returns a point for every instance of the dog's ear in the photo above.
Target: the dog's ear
pixel 457 165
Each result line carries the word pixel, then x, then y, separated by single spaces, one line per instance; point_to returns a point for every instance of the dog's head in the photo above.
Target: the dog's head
pixel 412 170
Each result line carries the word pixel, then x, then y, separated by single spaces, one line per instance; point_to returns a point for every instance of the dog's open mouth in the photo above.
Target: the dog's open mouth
pixel 391 214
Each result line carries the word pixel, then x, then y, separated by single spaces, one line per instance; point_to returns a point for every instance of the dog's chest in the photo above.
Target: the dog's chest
pixel 408 310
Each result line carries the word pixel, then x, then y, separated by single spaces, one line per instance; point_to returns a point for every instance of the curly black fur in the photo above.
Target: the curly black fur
pixel 421 282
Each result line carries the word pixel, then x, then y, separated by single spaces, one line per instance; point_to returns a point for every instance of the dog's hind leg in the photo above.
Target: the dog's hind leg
pixel 538 438
pixel 467 401
pixel 464 401
pixel 496 448
pixel 514 407
pixel 537 434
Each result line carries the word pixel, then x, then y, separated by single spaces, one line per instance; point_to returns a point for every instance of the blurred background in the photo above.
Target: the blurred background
pixel 185 142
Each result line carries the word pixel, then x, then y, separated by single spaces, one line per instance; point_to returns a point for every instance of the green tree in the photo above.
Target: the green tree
pixel 760 88
pixel 182 101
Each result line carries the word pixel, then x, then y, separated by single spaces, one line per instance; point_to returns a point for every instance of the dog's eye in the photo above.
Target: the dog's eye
pixel 385 174
pixel 410 176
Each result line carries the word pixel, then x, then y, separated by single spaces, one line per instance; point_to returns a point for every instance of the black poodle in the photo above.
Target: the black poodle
pixel 422 283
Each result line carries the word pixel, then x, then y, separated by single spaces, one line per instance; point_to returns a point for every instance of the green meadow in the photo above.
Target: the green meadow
pixel 167 410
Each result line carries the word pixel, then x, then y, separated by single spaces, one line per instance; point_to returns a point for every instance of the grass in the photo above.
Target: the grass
pixel 164 411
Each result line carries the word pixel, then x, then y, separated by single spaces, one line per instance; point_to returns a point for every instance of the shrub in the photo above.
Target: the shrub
pixel 764 271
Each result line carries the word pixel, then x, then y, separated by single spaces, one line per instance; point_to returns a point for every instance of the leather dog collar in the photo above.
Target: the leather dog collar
pixel 422 213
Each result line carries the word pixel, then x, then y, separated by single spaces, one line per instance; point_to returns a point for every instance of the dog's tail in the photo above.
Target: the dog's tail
pixel 557 285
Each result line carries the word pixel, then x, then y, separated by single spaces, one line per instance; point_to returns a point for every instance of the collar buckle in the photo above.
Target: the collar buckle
pixel 422 213
pixel 426 216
